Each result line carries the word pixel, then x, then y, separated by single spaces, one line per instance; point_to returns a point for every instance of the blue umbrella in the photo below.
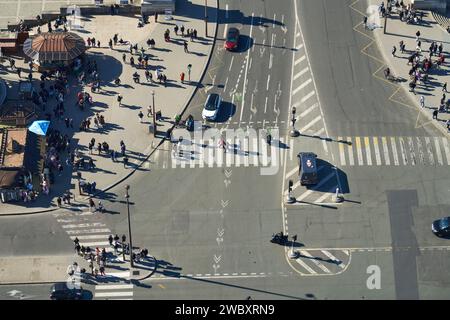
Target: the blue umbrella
pixel 39 127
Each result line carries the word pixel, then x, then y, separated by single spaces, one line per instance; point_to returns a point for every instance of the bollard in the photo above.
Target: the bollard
pixel 338 197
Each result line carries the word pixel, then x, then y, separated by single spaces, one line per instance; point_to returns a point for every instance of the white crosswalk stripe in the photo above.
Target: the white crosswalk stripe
pixel 313 260
pixel 394 152
pixel 367 150
pixel 83 231
pixel 438 151
pixel 446 149
pixel 351 159
pixel 377 151
pixel 359 151
pixel 387 160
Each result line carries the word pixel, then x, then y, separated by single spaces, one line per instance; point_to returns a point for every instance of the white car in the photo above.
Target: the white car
pixel 212 107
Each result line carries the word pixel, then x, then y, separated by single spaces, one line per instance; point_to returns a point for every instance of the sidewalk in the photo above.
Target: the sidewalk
pixel 122 123
pixel 432 90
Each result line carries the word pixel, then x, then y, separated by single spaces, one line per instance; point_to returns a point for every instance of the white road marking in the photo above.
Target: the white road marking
pixel 273 23
pixel 304 265
pixel 94 244
pixel 326 195
pixel 394 151
pixel 319 132
pixel 317 263
pixel 299 60
pixel 310 124
pixel 412 151
pixel 231 63
pixel 309 95
pixel 438 151
pixel 93 236
pixel 263 149
pixel 268 80
pixel 403 150
pixel 246 150
pixel 429 150
pixel 420 148
pixel 265 105
pixel 290 173
pixel 226 11
pixel 113 294
pixel 254 152
pixel 351 159
pixel 359 151
pixel 123 274
pixel 114 287
pixel 237 160
pixel 301 73
pixel 300 87
pixel 446 149
pixel 88 231
pixel 299 46
pixel 83 225
pixel 329 255
pixel 377 151
pixel 368 152
pixel 246 68
pixel 317 187
pixel 387 160
pixel 341 151
pixel 225 30
pixel 304 113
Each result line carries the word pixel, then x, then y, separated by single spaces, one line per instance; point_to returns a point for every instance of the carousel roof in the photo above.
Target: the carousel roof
pixel 56 46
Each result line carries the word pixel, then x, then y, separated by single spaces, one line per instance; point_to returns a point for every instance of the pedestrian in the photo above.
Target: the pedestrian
pixel 122 148
pixel 125 161
pixel 448 125
pixel 140 115
pixel 92 207
pixel 164 79
pixel 66 120
pixel 444 87
pixel 58 200
pixel 176 29
pixel 147 75
pixel 195 33
pixel 186 47
pixel 182 77
pixel 400 45
pixel 182 30
pixel 440 48
pixel 113 156
pixel 435 114
pixel 422 101
pixel 149 111
pixel 156 16
pixel 99 148
pixel 417 35
pixel 19 71
pixel 394 49
pixel 98 43
pixel 124 58
pixel 119 99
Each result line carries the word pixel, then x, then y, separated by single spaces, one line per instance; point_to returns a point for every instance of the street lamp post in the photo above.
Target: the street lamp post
pixel 154 114
pixel 206 18
pixel 127 196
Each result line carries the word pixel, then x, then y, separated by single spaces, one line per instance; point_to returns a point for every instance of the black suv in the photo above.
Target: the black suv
pixel 60 291
pixel 307 168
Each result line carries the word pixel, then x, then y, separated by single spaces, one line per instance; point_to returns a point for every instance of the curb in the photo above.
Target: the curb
pixel 158 144
pixel 380 46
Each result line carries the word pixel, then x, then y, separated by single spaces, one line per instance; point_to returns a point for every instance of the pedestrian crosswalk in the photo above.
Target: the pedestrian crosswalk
pixel 114 291
pixel 322 262
pixel 201 153
pixel 86 227
pixel 393 151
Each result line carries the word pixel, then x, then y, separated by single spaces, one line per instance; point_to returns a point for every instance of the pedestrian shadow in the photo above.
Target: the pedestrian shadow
pixel 280 144
pixel 132 107
pixel 173 84
pixel 162 49
pixel 108 127
pixel 199 54
pixel 331 261
pixel 149 84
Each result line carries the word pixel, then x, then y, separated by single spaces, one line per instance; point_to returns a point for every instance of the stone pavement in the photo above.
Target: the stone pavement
pixel 432 90
pixel 122 123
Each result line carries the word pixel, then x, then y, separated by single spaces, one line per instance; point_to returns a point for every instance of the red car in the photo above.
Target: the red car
pixel 232 40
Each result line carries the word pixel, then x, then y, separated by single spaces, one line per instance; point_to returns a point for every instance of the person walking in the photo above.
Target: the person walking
pixel 119 100
pixel 58 200
pixel 182 77
pixel 394 50
pixel 92 207
pixel 182 30
pixel 185 44
pixel 113 156
pixel 444 87
pixel 422 101
pixel 125 162
pixel 19 71
pixel 417 35
pixel 149 111
pixel 122 148
pixel 400 45
pixel 140 115
pixel 110 239
pixel 435 114
pixel 176 29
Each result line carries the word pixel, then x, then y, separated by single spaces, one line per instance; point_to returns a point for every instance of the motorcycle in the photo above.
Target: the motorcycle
pixel 279 238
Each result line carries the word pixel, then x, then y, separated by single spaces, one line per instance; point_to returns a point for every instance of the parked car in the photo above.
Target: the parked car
pixel 441 227
pixel 212 107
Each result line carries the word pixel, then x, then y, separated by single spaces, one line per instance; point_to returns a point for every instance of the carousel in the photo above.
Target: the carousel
pixel 55 51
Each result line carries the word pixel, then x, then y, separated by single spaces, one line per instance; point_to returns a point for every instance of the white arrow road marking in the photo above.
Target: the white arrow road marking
pixel 220 232
pixel 228 173
pixel 217 258
pixel 224 203
pixel 219 240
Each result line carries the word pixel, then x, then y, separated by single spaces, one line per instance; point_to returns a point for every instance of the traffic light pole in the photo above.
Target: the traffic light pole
pixel 289 198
